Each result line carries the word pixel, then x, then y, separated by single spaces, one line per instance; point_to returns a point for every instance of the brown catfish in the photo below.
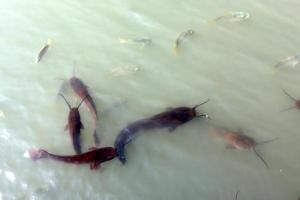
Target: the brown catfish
pixel 81 90
pixel 95 157
pixel 296 102
pixel 74 125
pixel 237 140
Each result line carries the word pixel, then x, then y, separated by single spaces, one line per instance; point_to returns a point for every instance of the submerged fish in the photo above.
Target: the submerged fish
pixel 94 157
pixel 239 141
pixel 182 36
pixel 124 71
pixel 290 61
pixel 143 41
pixel 43 51
pixel 232 17
pixel 170 119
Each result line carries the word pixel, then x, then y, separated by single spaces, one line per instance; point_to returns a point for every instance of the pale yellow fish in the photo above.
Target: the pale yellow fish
pixel 142 41
pixel 43 51
pixel 231 17
pixel 182 36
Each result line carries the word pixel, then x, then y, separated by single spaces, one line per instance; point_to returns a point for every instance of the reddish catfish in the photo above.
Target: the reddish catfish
pixel 237 140
pixel 296 102
pixel 94 157
pixel 74 125
pixel 169 119
pixel 81 90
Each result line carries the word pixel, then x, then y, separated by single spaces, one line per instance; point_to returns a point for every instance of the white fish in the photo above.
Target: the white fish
pixel 124 71
pixel 290 61
pixel 143 41
pixel 43 51
pixel 232 17
pixel 182 36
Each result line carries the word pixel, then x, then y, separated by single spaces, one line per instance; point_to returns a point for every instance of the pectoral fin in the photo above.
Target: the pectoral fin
pixel 95 165
pixel 172 128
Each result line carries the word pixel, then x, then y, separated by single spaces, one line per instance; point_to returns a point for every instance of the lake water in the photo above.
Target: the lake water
pixel 231 63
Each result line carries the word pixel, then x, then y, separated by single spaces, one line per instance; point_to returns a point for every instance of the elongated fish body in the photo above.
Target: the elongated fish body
pixel 143 41
pixel 233 17
pixel 74 125
pixel 81 90
pixel 43 51
pixel 169 119
pixel 182 37
pixel 94 157
pixel 290 61
pixel 236 140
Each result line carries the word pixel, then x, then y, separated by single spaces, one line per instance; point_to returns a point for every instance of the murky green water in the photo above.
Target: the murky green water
pixel 230 63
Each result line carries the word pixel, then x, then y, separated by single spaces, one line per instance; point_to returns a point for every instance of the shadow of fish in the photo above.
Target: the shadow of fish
pixel 170 119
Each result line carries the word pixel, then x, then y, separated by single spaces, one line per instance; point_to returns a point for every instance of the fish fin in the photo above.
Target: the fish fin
pixel 49 42
pixel 66 127
pixel 229 146
pixel 92 148
pixel 172 128
pixel 96 139
pixel 95 165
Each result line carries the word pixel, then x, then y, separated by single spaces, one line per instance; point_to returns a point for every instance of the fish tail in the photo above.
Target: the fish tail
pixel 120 151
pixel 49 42
pixel 96 138
pixel 211 22
pixel 121 141
pixel 38 154
pixel 76 143
pixel 123 40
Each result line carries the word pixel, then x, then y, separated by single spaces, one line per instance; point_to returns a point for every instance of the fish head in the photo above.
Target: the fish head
pixel 108 153
pixel 242 142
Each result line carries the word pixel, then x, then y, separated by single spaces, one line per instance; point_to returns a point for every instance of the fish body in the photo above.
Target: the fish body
pixel 236 140
pixel 290 61
pixel 43 51
pixel 94 157
pixel 182 36
pixel 82 92
pixel 143 41
pixel 74 125
pixel 169 119
pixel 233 17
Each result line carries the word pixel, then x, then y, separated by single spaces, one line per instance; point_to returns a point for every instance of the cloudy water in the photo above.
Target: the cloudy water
pixel 124 52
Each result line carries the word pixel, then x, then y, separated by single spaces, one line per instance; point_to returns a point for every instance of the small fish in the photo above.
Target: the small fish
pixel 296 102
pixel 182 36
pixel 143 41
pixel 74 125
pixel 94 157
pixel 232 17
pixel 239 141
pixel 290 61
pixel 124 71
pixel 43 51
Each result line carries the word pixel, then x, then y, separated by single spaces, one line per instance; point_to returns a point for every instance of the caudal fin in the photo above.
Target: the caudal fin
pixel 76 144
pixel 120 151
pixel 36 154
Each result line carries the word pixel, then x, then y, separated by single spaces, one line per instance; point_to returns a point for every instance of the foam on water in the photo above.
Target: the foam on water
pixel 230 63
